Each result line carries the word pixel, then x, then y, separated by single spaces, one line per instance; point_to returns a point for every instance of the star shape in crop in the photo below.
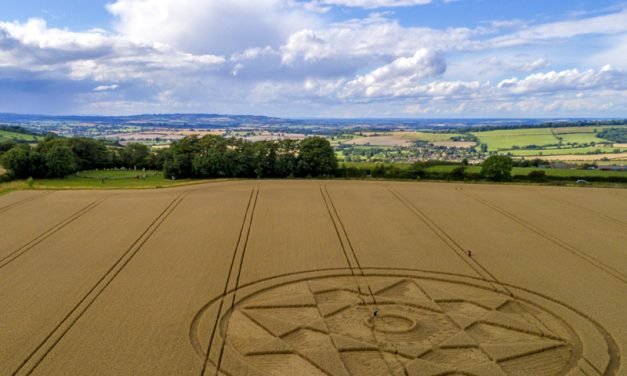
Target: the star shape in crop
pixel 422 328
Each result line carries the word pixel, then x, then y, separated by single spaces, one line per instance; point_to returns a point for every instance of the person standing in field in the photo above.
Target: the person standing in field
pixel 469 253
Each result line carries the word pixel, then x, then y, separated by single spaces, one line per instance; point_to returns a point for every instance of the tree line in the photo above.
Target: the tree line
pixel 495 168
pixel 618 135
pixel 57 157
pixel 192 157
pixel 550 124
pixel 218 157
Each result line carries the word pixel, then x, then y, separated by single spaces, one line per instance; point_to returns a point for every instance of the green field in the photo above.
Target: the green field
pixel 580 138
pixel 428 136
pixel 574 140
pixel 565 151
pixel 614 162
pixel 7 135
pixel 570 173
pixel 398 135
pixel 556 172
pixel 593 130
pixel 117 174
pixel 371 165
pixel 445 169
pixel 506 139
pixel 515 171
pixel 103 180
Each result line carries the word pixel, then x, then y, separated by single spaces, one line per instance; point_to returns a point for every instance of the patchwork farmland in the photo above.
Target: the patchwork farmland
pixel 314 278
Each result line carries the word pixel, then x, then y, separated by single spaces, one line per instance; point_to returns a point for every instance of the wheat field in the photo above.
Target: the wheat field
pixel 314 278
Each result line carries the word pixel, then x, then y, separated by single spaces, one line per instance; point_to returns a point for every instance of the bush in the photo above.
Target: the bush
pixel 5 178
pixel 497 168
pixel 458 173
pixel 60 161
pixel 351 173
pixel 473 176
pixel 618 135
pixel 537 176
pixel 18 161
pixel 316 158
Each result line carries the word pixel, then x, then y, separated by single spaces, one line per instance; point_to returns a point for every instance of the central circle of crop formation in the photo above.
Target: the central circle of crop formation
pixel 390 323
pixel 423 326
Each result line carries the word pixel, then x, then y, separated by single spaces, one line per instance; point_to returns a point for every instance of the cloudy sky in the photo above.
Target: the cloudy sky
pixel 315 58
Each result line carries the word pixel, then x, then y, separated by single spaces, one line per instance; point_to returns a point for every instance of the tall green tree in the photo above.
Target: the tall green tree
pixel 135 155
pixel 6 145
pixel 89 153
pixel 497 168
pixel 178 159
pixel 316 158
pixel 286 158
pixel 60 161
pixel 157 159
pixel 208 157
pixel 17 160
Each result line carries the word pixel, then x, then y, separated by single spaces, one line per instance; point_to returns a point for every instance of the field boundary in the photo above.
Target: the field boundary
pixel 48 233
pixel 63 327
pixel 553 239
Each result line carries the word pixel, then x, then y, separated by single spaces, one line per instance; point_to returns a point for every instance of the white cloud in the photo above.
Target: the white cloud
pixel 614 53
pixel 35 32
pixel 106 87
pixel 32 43
pixel 211 26
pixel 532 95
pixel 370 4
pixel 515 63
pixel 399 76
pixel 285 56
pixel 567 80
pixel 606 24
pixel 92 54
pixel 371 39
pixel 379 36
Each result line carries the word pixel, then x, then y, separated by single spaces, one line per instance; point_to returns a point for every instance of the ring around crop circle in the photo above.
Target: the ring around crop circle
pixel 444 324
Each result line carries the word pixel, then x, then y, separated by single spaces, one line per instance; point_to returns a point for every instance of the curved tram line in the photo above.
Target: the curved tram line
pixel 530 298
pixel 355 271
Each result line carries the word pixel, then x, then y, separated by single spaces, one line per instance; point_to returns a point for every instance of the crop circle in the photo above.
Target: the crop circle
pixel 423 325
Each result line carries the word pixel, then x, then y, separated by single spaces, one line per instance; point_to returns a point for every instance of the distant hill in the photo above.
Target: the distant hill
pixel 169 120
pixel 81 125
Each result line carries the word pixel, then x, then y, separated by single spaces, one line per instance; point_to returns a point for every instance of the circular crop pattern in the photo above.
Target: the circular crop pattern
pixel 405 325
